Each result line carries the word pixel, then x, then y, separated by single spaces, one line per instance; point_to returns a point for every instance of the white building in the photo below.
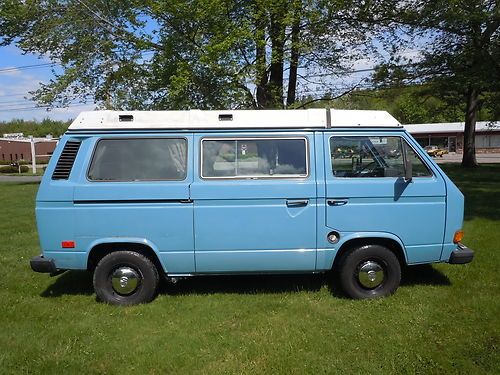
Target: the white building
pixel 451 135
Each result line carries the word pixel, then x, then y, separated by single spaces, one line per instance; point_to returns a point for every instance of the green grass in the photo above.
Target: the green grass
pixel 443 319
pixel 39 172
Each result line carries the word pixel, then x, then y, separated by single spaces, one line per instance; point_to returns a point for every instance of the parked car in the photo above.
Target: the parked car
pixel 132 196
pixel 435 151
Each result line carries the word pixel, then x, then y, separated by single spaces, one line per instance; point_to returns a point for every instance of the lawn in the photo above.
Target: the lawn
pixel 443 319
pixel 39 172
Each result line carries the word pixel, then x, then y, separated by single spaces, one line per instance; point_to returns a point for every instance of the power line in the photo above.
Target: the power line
pixel 45 65
pixel 340 73
pixel 26 67
pixel 42 107
pixel 28 100
pixel 13 94
pixel 13 102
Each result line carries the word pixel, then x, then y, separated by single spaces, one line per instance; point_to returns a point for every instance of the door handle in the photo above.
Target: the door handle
pixel 297 203
pixel 336 202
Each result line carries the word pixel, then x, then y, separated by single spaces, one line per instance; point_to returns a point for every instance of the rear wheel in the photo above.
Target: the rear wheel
pixel 125 278
pixel 370 271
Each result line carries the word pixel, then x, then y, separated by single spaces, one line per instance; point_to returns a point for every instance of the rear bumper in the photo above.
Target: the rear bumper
pixel 43 265
pixel 461 255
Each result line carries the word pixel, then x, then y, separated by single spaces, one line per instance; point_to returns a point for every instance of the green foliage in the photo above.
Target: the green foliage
pixel 34 128
pixel 410 105
pixel 461 49
pixel 20 162
pixel 459 60
pixel 13 169
pixel 186 53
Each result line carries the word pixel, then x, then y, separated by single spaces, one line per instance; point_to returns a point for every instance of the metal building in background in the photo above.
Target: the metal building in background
pixel 16 147
pixel 450 136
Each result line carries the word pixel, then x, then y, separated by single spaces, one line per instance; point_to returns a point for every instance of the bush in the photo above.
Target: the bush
pixel 21 162
pixel 11 169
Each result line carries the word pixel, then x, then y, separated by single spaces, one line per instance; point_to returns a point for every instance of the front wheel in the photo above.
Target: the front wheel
pixel 370 271
pixel 125 278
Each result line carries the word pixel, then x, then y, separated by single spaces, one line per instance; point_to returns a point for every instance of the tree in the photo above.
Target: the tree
pixel 188 53
pixel 410 104
pixel 460 58
pixel 35 128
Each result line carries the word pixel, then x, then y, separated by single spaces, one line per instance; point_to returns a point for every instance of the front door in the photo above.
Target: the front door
pixel 255 203
pixel 366 192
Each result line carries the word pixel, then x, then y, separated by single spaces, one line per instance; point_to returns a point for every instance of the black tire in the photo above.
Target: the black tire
pixel 142 271
pixel 371 258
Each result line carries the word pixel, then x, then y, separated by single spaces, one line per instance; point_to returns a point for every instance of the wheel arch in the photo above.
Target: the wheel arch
pixel 100 249
pixel 391 242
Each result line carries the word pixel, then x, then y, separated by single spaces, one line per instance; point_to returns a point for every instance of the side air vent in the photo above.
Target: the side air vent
pixel 66 160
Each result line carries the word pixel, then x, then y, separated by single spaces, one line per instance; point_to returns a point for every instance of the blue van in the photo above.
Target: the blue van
pixel 134 195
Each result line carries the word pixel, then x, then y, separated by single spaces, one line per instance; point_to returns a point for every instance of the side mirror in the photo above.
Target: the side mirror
pixel 407 162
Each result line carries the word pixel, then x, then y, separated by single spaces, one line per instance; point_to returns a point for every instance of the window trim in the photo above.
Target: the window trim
pixel 255 177
pixel 136 138
pixel 401 137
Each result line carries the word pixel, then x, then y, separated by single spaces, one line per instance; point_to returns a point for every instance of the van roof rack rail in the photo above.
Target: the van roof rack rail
pixel 232 119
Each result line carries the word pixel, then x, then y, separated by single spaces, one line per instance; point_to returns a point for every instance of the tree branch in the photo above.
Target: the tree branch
pixel 334 98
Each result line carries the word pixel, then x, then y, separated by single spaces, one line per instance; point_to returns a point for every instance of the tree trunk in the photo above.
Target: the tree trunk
pixel 261 79
pixel 277 35
pixel 294 62
pixel 261 71
pixel 469 156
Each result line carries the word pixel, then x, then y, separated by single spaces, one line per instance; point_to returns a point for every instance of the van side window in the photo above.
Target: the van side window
pixel 360 156
pixel 254 158
pixel 141 159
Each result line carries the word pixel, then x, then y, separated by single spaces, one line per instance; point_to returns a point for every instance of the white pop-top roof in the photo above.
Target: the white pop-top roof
pixel 450 127
pixel 231 119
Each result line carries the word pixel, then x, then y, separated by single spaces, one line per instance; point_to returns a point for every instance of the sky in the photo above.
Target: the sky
pixel 18 78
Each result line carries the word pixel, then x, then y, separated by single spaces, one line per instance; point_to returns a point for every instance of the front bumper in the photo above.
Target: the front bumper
pixel 43 265
pixel 461 255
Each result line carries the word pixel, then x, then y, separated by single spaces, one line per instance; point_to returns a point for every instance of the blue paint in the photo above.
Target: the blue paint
pixel 246 225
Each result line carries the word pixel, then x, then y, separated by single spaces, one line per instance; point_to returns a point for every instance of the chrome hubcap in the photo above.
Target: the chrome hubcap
pixel 125 280
pixel 370 274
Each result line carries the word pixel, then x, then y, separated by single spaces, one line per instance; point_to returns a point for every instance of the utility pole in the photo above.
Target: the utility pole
pixel 33 156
